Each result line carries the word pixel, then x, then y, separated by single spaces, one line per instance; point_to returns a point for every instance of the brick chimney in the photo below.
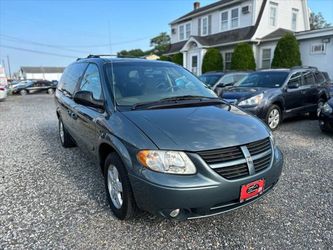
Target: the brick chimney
pixel 196 5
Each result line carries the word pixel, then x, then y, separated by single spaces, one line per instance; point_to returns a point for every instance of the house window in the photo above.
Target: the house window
pixel 224 20
pixel 188 30
pixel 294 19
pixel 273 14
pixel 318 48
pixel 227 60
pixel 234 18
pixel 266 58
pixel 181 32
pixel 205 26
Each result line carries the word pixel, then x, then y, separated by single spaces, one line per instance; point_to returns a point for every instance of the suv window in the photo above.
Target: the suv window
pixel 296 79
pixel 308 78
pixel 320 77
pixel 91 82
pixel 71 76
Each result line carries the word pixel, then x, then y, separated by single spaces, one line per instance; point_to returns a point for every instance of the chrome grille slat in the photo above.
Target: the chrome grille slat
pixel 231 164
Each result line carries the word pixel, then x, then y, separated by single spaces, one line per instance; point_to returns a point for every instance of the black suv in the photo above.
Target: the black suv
pixel 275 94
pixel 35 86
pixel 165 142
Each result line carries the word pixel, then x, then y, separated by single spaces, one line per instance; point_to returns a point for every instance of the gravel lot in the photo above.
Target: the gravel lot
pixel 51 197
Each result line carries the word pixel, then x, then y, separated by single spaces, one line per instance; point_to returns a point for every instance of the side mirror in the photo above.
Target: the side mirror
pixel 218 91
pixel 86 98
pixel 293 85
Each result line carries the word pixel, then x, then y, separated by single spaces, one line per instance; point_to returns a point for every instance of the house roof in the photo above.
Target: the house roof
pixel 227 36
pixel 42 69
pixel 277 34
pixel 203 9
pixel 176 47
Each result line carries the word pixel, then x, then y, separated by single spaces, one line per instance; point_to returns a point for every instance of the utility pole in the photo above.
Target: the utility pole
pixel 8 63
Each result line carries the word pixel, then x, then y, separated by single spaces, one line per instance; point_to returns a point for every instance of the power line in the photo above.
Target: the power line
pixel 37 51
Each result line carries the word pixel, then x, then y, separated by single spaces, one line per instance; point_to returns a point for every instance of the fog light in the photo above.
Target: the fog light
pixel 175 213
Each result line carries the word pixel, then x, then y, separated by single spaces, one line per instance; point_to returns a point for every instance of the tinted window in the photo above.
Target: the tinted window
pixel 319 77
pixel 308 78
pixel 91 82
pixel 296 79
pixel 136 82
pixel 264 79
pixel 233 78
pixel 71 76
pixel 210 79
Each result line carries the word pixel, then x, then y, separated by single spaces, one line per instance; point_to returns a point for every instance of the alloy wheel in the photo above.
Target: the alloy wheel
pixel 61 132
pixel 319 107
pixel 115 186
pixel 274 118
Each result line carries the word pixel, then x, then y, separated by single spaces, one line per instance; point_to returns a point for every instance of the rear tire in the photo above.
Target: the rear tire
pixel 50 91
pixel 65 138
pixel 23 92
pixel 316 114
pixel 118 188
pixel 273 117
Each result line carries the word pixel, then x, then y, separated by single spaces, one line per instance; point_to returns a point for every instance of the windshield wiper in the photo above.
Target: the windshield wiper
pixel 176 100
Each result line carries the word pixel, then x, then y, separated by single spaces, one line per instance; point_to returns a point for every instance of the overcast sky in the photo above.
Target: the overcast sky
pixel 55 32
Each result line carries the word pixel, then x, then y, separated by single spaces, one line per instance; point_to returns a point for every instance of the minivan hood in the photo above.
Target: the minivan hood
pixel 198 128
pixel 241 93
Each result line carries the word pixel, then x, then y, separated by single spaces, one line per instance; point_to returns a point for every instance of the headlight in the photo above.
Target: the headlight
pixel 171 162
pixel 327 109
pixel 253 101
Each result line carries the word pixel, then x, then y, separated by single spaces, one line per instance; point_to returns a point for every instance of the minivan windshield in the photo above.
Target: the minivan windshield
pixel 264 79
pixel 141 82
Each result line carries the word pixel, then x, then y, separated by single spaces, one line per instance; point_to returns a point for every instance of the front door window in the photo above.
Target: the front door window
pixel 195 65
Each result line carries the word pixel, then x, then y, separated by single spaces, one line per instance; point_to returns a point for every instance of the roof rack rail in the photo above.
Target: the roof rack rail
pixel 102 55
pixel 304 67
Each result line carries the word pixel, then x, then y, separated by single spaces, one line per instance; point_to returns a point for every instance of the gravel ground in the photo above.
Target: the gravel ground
pixel 53 197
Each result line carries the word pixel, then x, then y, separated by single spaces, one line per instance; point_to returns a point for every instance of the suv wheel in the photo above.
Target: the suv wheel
pixel 273 118
pixel 50 91
pixel 118 188
pixel 65 138
pixel 23 92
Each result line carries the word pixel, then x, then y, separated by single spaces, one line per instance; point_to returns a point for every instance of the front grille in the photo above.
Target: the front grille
pixel 234 172
pixel 231 164
pixel 222 155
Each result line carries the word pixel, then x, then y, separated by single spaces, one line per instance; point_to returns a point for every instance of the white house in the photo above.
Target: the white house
pixel 44 73
pixel 226 23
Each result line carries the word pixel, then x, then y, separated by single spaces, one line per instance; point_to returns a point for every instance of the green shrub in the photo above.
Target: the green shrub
pixel 243 58
pixel 212 61
pixel 177 58
pixel 287 54
pixel 165 58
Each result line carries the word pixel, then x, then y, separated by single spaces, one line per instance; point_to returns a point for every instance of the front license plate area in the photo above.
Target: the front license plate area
pixel 252 190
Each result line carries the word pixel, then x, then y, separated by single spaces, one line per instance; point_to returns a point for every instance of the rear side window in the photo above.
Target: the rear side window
pixel 71 77
pixel 320 77
pixel 308 78
pixel 91 82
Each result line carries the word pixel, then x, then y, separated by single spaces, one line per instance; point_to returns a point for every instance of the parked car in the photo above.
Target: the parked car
pixel 275 94
pixel 222 79
pixel 34 86
pixel 329 81
pixel 326 116
pixel 165 142
pixel 3 93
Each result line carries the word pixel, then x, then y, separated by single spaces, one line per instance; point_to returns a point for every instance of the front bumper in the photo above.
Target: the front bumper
pixel 203 194
pixel 326 122
pixel 259 111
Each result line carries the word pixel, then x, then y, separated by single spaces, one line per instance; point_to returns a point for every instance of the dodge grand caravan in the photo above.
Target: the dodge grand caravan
pixel 165 142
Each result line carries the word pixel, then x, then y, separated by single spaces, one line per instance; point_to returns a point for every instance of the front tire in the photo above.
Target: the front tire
pixel 65 138
pixel 118 188
pixel 274 117
pixel 23 92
